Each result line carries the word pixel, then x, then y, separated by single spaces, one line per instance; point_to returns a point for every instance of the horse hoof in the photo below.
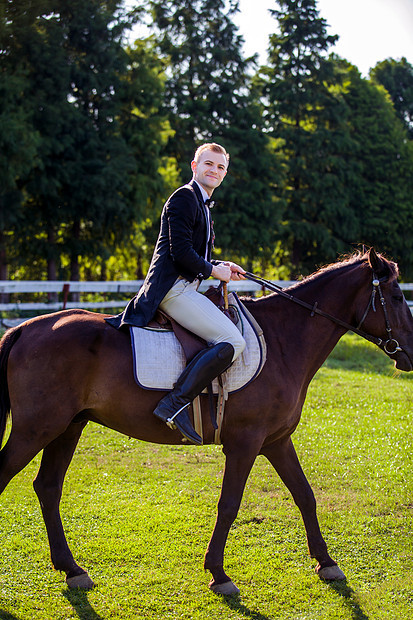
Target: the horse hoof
pixel 226 589
pixel 331 573
pixel 82 581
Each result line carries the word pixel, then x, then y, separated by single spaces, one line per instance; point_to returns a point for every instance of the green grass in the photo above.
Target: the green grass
pixel 138 517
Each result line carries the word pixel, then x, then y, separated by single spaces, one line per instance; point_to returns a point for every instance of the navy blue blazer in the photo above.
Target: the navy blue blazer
pixel 179 251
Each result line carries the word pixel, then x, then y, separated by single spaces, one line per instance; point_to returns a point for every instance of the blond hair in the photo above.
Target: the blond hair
pixel 210 146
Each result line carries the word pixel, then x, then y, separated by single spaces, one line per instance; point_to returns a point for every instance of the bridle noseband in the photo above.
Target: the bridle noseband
pixel 390 340
pixel 389 346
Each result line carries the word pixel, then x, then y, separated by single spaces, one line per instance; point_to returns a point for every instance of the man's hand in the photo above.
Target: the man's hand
pixel 222 271
pixel 227 271
pixel 236 271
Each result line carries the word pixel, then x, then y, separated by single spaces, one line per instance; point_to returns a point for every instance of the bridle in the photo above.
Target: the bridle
pixel 389 346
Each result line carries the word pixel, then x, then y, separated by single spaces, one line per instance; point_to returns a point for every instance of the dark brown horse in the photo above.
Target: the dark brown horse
pixel 59 371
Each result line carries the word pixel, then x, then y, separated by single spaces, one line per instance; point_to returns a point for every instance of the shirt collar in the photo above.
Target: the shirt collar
pixel 203 191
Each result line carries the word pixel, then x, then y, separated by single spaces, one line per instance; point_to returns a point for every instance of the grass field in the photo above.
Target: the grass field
pixel 138 517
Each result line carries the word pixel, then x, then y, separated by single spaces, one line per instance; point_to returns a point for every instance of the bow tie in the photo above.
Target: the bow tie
pixel 209 203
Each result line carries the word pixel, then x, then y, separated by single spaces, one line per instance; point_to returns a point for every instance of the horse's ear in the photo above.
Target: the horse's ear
pixel 378 264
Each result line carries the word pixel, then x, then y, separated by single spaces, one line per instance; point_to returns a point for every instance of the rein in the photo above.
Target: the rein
pixel 386 345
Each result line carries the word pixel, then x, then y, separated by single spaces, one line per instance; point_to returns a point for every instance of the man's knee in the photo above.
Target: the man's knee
pixel 239 345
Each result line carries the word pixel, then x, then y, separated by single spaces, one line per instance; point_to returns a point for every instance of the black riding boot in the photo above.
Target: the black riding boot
pixel 202 369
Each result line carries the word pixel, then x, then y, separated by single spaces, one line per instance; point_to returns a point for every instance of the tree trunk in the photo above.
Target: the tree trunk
pixel 4 297
pixel 139 271
pixel 51 263
pixel 74 260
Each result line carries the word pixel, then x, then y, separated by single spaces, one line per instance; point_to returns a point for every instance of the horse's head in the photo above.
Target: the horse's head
pixel 389 316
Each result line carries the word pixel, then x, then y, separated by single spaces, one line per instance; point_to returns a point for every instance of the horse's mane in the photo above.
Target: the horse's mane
pixel 350 260
pixel 345 261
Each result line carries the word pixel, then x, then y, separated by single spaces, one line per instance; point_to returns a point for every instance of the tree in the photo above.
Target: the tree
pixel 99 137
pixel 78 191
pixel 308 118
pixel 18 139
pixel 381 191
pixel 146 130
pixel 397 78
pixel 209 97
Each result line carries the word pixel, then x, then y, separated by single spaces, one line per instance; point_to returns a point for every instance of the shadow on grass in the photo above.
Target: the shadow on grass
pixel 4 615
pixel 79 601
pixel 234 603
pixel 350 599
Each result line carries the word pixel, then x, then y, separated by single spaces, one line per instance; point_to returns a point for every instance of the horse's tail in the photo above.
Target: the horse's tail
pixel 6 343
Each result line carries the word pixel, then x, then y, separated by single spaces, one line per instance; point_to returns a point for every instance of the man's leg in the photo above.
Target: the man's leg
pixel 198 314
pixel 201 316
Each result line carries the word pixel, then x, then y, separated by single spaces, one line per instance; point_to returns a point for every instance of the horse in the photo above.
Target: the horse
pixel 62 370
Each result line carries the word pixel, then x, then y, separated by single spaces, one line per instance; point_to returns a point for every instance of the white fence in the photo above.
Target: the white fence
pixel 127 288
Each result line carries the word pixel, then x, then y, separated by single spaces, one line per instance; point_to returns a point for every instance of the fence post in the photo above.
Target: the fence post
pixel 66 289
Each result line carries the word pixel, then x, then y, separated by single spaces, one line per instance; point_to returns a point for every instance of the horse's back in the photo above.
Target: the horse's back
pixel 49 329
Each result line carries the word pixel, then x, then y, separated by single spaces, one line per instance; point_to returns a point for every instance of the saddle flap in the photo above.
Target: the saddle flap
pixel 159 357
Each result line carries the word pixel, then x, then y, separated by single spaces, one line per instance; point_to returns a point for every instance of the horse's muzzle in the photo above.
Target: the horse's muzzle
pixel 402 360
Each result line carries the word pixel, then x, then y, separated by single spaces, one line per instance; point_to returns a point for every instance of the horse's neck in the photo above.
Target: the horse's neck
pixel 302 339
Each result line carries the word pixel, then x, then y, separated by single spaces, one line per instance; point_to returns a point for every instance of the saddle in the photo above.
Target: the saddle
pixel 190 342
pixel 162 349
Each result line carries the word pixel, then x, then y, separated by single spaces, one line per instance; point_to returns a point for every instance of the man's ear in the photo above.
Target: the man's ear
pixel 193 165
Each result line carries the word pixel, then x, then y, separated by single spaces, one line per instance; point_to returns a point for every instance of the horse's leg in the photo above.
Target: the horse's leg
pixel 48 486
pixel 18 451
pixel 283 457
pixel 238 465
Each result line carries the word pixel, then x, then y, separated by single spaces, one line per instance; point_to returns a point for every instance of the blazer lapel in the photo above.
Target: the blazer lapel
pixel 207 216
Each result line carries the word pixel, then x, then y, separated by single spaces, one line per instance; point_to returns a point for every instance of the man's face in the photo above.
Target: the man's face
pixel 210 170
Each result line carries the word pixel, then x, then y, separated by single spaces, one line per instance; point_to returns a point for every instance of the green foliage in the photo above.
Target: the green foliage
pixel 96 134
pixel 380 192
pixel 347 160
pixel 397 78
pixel 18 139
pixel 210 97
pixel 206 69
pixel 309 120
pixel 77 58
pixel 139 516
pixel 85 92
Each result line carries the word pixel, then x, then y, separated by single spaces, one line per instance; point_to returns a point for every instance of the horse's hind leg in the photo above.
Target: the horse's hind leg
pixel 285 461
pixel 18 451
pixel 48 486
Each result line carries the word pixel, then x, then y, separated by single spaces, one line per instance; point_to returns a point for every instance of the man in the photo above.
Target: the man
pixel 181 259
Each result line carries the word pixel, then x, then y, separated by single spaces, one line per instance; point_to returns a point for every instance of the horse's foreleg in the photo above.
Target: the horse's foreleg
pixel 48 486
pixel 237 468
pixel 285 461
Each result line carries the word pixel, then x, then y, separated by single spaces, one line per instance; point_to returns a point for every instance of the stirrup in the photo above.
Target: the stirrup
pixel 170 421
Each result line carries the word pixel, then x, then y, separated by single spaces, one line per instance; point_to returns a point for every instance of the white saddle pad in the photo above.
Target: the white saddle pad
pixel 158 357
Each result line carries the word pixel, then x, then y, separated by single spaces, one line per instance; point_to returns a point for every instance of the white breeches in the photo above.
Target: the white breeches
pixel 201 316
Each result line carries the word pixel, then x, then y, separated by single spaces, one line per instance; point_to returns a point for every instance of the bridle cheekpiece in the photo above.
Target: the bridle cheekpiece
pixel 390 340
